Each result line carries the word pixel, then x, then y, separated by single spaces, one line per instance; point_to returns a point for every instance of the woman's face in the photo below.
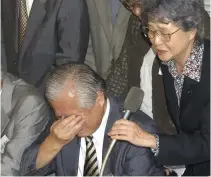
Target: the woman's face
pixel 169 41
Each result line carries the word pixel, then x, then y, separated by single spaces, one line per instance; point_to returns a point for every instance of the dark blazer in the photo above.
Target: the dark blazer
pixel 126 74
pixel 57 32
pixel 3 55
pixel 191 146
pixel 125 159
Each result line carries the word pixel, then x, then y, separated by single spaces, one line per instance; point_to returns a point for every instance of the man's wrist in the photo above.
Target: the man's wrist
pixel 53 144
pixel 48 150
pixel 152 141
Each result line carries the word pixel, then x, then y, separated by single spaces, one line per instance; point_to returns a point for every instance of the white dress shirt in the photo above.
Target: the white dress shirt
pixel 146 82
pixel 98 138
pixel 29 6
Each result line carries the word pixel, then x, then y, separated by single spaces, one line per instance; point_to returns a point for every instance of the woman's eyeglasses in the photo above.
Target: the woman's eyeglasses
pixel 151 34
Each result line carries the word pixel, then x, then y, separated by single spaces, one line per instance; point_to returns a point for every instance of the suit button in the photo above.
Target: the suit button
pixel 189 92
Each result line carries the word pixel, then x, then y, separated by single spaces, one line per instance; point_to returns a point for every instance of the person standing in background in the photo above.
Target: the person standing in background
pixel 42 34
pixel 108 24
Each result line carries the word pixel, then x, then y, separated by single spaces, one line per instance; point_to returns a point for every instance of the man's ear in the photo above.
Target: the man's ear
pixel 100 99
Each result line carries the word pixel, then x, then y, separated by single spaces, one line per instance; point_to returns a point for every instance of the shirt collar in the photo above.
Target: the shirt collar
pixel 99 133
pixel 192 68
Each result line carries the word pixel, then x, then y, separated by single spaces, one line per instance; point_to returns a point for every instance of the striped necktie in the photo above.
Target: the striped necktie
pixel 23 17
pixel 91 163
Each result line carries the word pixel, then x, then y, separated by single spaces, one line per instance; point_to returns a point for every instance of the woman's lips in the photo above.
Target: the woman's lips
pixel 160 52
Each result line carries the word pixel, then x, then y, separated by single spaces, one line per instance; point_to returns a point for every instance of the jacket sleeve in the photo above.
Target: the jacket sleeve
pixel 28 161
pixel 31 116
pixel 72 31
pixel 140 162
pixel 183 148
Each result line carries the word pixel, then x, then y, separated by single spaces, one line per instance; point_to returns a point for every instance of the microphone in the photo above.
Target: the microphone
pixel 132 103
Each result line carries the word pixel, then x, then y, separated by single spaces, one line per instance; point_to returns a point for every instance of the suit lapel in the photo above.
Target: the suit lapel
pixel 35 19
pixel 155 82
pixel 120 26
pixel 114 115
pixel 4 121
pixel 6 101
pixel 9 21
pixel 102 9
pixel 70 157
pixel 171 96
pixel 189 86
pixel 159 110
pixel 7 90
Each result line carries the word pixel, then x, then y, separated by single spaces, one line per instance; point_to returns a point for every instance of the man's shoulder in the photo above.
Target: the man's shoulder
pixel 23 90
pixel 138 117
pixel 143 120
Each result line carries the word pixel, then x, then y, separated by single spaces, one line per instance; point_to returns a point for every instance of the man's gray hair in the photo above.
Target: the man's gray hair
pixel 187 14
pixel 85 81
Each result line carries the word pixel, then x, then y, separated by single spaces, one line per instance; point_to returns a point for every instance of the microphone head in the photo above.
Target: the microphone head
pixel 134 99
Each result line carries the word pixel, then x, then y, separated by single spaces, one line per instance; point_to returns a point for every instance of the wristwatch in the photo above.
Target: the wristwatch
pixel 156 149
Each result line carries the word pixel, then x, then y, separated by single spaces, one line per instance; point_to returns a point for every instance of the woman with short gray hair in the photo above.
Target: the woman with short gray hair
pixel 187 16
pixel 176 31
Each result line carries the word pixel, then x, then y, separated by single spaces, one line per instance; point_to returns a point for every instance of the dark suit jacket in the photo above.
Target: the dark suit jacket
pixel 126 74
pixel 3 55
pixel 126 159
pixel 57 32
pixel 24 114
pixel 191 147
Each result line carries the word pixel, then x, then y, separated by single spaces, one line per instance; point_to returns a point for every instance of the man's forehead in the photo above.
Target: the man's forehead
pixel 64 98
pixel 64 106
